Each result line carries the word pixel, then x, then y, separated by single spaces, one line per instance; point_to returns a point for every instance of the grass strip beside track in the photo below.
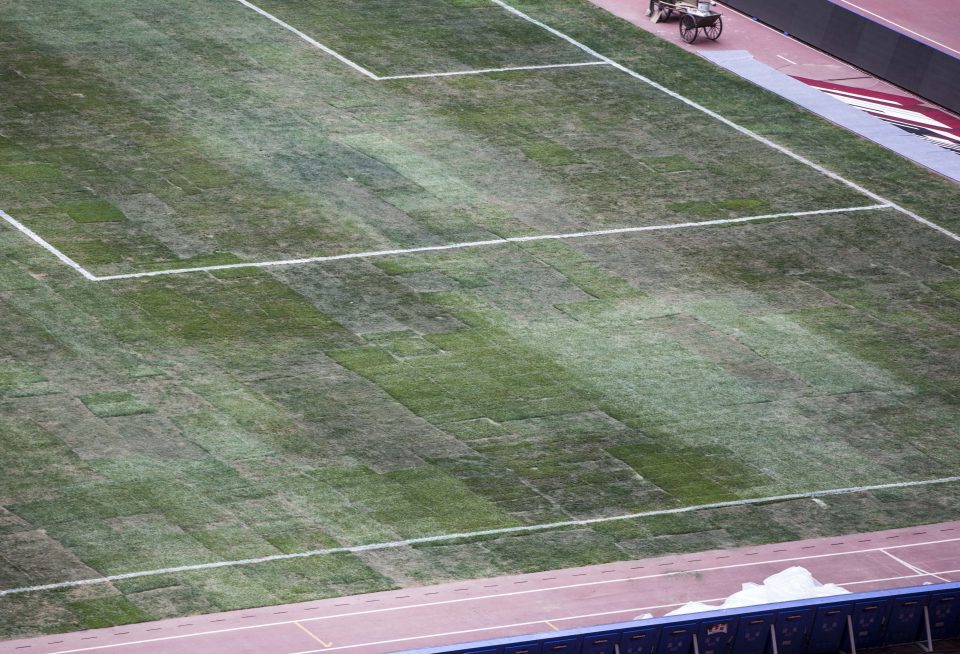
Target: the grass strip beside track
pixel 353 549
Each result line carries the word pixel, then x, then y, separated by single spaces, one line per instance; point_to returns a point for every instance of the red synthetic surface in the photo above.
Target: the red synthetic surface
pixel 932 21
pixel 527 604
pixel 791 57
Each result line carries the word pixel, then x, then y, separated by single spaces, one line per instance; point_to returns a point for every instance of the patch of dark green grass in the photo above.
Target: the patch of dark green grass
pixel 673 163
pixel 93 211
pixel 550 154
pixel 106 612
pixel 115 403
pixel 693 475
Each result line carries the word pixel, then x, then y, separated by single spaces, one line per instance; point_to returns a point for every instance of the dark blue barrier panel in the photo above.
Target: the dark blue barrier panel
pixel 640 641
pixel 601 643
pixel 868 620
pixel 523 648
pixel 905 624
pixel 814 626
pixel 715 637
pixel 829 628
pixel 753 633
pixel 570 645
pixel 676 639
pixel 887 53
pixel 793 630
pixel 945 614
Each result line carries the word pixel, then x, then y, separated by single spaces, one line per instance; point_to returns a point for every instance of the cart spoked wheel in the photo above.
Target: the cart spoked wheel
pixel 665 14
pixel 688 29
pixel 713 31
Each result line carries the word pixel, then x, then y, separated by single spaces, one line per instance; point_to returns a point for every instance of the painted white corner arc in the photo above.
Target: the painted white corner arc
pixel 482 71
pixel 309 39
pixel 16 224
pixel 500 531
pixel 726 121
pixel 497 241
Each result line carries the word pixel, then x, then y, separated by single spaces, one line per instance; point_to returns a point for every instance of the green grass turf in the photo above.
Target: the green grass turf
pixel 197 418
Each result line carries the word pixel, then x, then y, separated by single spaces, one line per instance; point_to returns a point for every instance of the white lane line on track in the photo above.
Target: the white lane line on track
pixel 726 121
pixel 901 27
pixel 463 632
pixel 489 242
pixel 475 534
pixel 309 39
pixel 498 596
pixel 910 566
pixel 482 71
pixel 33 236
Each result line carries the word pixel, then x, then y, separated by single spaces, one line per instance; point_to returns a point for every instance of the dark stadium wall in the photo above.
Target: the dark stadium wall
pixel 875 48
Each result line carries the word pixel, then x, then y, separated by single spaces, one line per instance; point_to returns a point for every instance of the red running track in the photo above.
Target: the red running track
pixel 934 22
pixel 527 604
pixel 937 22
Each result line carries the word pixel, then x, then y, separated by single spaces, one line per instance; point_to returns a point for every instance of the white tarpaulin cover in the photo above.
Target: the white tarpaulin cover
pixel 794 583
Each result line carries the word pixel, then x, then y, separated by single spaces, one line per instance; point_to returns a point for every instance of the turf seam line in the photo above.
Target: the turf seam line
pixel 33 236
pixel 309 39
pixel 726 121
pixel 353 549
pixel 481 71
pixel 496 241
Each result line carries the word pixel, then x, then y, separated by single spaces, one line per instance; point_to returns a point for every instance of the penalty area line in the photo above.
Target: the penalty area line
pixel 482 71
pixel 33 236
pixel 309 39
pixel 383 78
pixel 496 241
pixel 729 123
pixel 502 531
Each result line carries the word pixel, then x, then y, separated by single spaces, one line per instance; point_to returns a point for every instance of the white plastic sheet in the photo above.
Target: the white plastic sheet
pixel 794 583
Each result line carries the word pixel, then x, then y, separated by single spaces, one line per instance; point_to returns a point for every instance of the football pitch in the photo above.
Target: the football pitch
pixel 309 298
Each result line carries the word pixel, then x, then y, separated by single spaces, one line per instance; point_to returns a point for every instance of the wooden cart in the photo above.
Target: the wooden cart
pixel 695 18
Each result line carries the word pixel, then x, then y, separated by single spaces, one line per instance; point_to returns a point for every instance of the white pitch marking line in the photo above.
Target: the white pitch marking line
pixel 495 241
pixel 475 534
pixel 726 121
pixel 333 53
pixel 901 27
pixel 482 71
pixel 309 39
pixel 787 60
pixel 350 614
pixel 46 246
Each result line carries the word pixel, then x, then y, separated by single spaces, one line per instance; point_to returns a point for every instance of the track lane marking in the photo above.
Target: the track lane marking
pixel 421 605
pixel 910 566
pixel 560 619
pixel 313 635
pixel 901 27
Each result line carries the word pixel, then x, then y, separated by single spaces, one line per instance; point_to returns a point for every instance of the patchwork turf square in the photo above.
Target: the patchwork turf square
pixel 93 211
pixel 116 403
